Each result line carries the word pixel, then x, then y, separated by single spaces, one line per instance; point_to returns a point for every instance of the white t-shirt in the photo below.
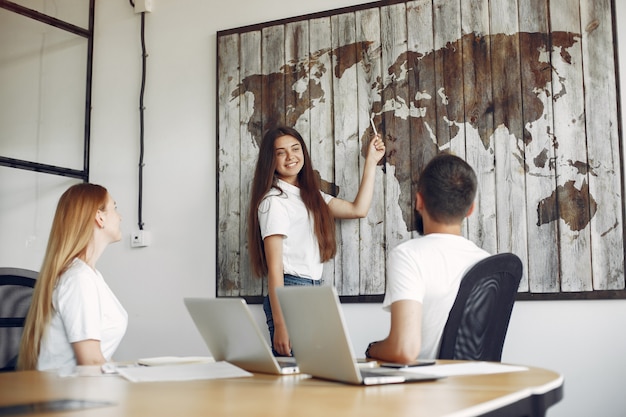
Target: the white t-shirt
pixel 284 213
pixel 84 308
pixel 429 269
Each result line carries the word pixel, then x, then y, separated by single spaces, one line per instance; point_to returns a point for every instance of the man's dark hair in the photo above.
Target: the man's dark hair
pixel 448 187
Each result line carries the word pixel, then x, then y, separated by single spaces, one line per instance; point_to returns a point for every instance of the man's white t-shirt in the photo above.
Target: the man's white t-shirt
pixel 429 269
pixel 284 213
pixel 84 308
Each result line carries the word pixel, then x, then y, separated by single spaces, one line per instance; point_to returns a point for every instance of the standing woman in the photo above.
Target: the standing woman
pixel 74 318
pixel 291 223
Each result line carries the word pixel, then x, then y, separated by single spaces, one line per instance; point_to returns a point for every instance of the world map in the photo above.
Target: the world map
pixel 572 203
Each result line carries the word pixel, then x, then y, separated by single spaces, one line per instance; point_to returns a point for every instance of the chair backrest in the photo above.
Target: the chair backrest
pixel 16 291
pixel 479 318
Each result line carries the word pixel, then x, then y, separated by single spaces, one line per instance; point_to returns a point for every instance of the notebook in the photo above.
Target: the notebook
pixel 320 341
pixel 231 334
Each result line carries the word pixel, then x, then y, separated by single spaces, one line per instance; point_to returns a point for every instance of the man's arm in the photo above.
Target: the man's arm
pixel 405 335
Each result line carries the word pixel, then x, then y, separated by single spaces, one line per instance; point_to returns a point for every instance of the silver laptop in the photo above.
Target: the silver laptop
pixel 231 334
pixel 320 342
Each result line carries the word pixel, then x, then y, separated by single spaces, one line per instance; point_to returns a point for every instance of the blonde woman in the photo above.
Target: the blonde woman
pixel 74 318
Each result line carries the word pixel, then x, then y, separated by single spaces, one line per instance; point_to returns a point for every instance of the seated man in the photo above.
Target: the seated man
pixel 423 274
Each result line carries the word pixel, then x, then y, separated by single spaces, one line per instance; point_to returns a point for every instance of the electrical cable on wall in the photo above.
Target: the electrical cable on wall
pixel 140 237
pixel 141 120
pixel 144 56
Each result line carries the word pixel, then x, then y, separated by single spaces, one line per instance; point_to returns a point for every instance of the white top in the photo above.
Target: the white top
pixel 84 308
pixel 284 213
pixel 429 269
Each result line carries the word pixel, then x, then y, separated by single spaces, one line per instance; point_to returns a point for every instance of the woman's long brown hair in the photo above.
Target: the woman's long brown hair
pixel 265 178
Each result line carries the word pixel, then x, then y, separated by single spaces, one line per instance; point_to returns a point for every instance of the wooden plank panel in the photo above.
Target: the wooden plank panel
pixel 346 147
pixel 297 94
pixel 273 82
pixel 449 64
pixel 273 88
pixel 250 122
pixel 421 85
pixel 228 169
pixel 607 227
pixel 478 102
pixel 448 68
pixel 572 194
pixel 372 236
pixel 321 86
pixel 395 126
pixel 508 136
pixel 543 255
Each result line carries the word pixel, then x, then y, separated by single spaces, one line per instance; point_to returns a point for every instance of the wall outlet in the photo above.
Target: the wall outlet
pixel 143 6
pixel 139 239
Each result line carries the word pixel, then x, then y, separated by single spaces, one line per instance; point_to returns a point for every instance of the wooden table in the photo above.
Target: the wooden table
pixel 508 394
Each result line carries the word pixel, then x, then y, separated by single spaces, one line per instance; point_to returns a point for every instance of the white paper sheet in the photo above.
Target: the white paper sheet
pixel 174 360
pixel 185 372
pixel 470 368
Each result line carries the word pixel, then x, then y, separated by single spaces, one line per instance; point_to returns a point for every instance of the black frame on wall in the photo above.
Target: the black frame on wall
pixel 88 34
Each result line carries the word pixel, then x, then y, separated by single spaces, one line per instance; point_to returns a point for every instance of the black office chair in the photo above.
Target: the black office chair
pixel 16 291
pixel 479 318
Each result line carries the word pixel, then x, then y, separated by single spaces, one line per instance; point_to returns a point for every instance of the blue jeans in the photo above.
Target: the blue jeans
pixel 267 307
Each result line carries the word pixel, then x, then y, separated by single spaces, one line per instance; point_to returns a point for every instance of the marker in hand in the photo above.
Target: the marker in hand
pixel 372 123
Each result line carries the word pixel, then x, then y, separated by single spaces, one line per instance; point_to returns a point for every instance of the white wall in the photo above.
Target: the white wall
pixel 583 340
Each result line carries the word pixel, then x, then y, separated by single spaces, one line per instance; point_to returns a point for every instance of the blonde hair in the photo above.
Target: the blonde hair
pixel 71 232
